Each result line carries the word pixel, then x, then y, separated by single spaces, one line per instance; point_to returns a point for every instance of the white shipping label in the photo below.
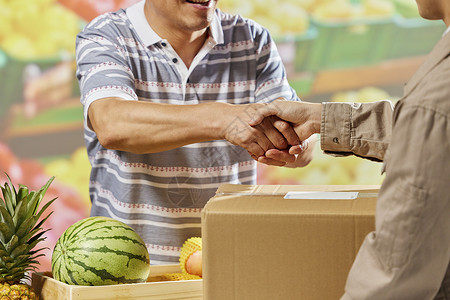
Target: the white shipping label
pixel 322 195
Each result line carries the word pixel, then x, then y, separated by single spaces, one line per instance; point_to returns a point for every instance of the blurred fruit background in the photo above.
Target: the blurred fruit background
pixel 333 50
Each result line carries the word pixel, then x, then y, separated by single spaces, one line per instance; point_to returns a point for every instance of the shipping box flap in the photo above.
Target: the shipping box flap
pixel 259 245
pixel 239 199
pixel 228 188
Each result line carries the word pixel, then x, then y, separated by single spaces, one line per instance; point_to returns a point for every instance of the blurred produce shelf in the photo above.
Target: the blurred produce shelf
pixel 349 43
pixel 414 36
pixel 389 72
pixel 15 72
pixel 55 131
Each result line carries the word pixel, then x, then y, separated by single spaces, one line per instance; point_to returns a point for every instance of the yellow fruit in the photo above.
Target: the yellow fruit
pixel 19 46
pixel 36 29
pixel 370 94
pixel 334 11
pixel 378 8
pixel 190 246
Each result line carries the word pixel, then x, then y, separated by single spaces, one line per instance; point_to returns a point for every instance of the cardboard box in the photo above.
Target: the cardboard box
pixel 50 289
pixel 259 245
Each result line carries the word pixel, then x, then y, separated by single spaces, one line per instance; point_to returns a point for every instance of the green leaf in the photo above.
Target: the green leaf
pixel 33 244
pixel 42 192
pixel 35 198
pixel 37 236
pixel 6 218
pixel 2 248
pixel 19 250
pixel 6 259
pixel 42 221
pixel 12 244
pixel 25 227
pixel 22 259
pixel 8 198
pixel 19 214
pixel 5 233
pixel 33 202
pixel 25 238
pixel 22 193
pixel 13 194
pixel 3 202
pixel 38 215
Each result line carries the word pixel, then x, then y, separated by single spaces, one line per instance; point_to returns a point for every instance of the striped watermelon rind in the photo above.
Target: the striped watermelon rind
pixel 100 251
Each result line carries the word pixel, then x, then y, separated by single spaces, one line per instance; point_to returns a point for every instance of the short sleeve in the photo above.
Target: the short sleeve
pixel 102 66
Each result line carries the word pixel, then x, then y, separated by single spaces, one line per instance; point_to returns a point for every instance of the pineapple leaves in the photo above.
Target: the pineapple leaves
pixel 21 229
pixel 11 195
pixel 23 192
pixel 7 198
pixel 37 236
pixel 5 233
pixel 42 211
pixel 25 227
pixel 6 218
pixel 19 250
pixel 12 244
pixel 36 198
pixel 19 213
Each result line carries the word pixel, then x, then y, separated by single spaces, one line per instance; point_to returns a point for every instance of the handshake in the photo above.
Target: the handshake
pixel 278 133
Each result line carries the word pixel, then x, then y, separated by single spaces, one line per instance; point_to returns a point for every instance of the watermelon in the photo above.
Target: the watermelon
pixel 100 251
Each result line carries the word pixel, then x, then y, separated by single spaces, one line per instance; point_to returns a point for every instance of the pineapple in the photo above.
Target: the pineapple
pixel 20 232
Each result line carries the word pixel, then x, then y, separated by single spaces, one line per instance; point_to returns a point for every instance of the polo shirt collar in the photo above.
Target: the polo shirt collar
pixel 149 37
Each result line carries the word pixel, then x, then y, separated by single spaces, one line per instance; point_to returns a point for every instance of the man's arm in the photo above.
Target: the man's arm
pixel 143 127
pixel 122 122
pixel 363 129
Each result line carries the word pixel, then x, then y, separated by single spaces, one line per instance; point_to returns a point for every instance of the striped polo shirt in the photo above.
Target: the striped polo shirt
pixel 161 194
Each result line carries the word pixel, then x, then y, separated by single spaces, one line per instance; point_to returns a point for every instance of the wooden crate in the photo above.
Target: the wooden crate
pixel 50 289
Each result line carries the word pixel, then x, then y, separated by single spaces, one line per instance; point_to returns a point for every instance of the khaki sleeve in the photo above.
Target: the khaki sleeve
pixel 362 129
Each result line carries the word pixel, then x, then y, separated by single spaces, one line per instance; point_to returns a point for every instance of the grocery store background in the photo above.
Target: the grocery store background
pixel 334 50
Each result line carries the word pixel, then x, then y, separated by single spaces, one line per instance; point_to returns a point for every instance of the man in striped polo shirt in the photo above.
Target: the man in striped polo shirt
pixel 168 88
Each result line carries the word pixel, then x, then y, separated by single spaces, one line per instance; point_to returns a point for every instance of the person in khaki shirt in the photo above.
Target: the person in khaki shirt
pixel 407 256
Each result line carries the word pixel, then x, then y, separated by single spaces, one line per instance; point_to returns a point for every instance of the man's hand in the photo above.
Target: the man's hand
pixel 305 119
pixel 269 133
pixel 294 157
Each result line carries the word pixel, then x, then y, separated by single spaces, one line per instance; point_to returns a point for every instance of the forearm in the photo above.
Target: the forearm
pixel 143 127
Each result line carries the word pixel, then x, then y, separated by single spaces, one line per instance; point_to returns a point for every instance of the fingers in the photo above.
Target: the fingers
pixel 298 149
pixel 286 130
pixel 280 155
pixel 279 132
pixel 255 150
pixel 261 111
pixel 271 162
pixel 272 134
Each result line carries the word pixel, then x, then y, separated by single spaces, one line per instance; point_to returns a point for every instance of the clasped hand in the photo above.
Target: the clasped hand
pixel 279 133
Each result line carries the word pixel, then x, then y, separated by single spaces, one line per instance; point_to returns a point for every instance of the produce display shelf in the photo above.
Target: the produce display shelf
pixel 48 288
pixel 304 47
pixel 55 131
pixel 348 43
pixel 68 113
pixel 414 37
pixel 13 72
pixel 388 72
